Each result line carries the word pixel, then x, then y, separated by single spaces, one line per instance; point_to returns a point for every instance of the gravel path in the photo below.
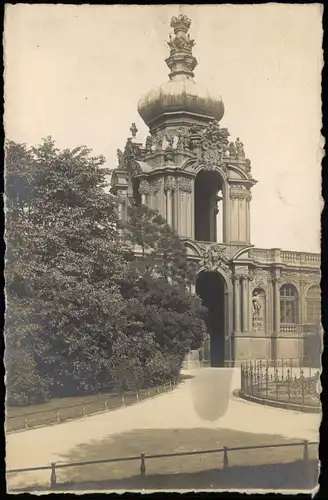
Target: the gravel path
pixel 205 401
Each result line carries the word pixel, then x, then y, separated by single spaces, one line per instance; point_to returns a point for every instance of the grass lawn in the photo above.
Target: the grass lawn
pixel 60 410
pixel 182 472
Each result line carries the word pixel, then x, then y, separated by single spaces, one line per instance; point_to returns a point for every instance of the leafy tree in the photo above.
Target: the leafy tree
pixel 63 260
pixel 84 312
pixel 160 277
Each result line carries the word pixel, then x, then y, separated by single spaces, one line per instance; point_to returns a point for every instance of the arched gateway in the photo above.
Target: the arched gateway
pixel 200 181
pixel 213 290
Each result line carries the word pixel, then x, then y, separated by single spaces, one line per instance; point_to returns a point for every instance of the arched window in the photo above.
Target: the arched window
pixel 313 305
pixel 288 305
pixel 208 207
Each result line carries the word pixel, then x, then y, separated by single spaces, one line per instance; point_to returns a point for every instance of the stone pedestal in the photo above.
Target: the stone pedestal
pixel 192 361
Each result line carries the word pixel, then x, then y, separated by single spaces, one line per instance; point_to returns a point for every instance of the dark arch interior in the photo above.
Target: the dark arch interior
pixel 136 193
pixel 210 288
pixel 207 186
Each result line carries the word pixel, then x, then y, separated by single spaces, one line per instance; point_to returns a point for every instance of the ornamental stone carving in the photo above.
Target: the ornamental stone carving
pixel 170 183
pixel 185 184
pixel 259 278
pixel 212 257
pixel 240 192
pixel 213 144
pixel 248 165
pixel 144 187
pixel 157 141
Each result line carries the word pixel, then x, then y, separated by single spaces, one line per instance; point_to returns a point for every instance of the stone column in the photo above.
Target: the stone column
pixel 276 318
pixel 250 305
pixel 144 190
pixel 276 289
pixel 226 214
pixel 245 307
pixel 182 213
pixel 169 206
pixel 192 210
pixel 236 293
pixel 188 216
pixel 228 347
pixel 175 209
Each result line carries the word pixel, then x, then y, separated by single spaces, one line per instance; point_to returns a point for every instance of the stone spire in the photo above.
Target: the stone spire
pixel 181 61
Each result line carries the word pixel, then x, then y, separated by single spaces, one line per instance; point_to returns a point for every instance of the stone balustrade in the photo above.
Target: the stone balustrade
pixel 302 259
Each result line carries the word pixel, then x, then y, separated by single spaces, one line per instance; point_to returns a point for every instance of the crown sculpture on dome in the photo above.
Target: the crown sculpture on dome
pixel 181 60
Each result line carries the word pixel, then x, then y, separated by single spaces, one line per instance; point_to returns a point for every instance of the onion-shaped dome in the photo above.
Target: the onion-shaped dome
pixel 181 92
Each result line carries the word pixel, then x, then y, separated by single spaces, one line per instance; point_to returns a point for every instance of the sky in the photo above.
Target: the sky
pixel 77 72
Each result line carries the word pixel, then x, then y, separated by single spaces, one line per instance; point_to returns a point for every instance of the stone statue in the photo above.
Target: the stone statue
pixel 232 150
pixel 239 148
pixel 120 157
pixel 159 140
pixel 169 151
pixel 170 140
pixel 256 304
pixel 149 143
pixel 257 318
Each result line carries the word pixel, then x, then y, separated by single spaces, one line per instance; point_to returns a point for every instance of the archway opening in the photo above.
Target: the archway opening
pixel 135 192
pixel 210 287
pixel 208 206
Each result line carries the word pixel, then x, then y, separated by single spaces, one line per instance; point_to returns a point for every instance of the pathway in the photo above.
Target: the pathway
pixel 196 403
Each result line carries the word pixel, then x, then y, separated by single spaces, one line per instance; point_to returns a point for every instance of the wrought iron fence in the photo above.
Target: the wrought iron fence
pixel 286 383
pixel 18 420
pixel 142 458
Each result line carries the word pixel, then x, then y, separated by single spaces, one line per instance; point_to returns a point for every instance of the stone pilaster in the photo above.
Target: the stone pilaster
pixel 250 305
pixel 276 289
pixel 236 293
pixel 245 308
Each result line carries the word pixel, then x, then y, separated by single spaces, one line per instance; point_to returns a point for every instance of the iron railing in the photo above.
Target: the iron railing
pixel 225 450
pixel 286 383
pixel 105 402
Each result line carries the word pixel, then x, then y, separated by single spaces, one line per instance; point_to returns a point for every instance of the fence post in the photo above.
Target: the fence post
pixel 122 399
pixel 57 416
pixel 288 384
pixel 137 396
pixel 106 405
pixel 142 465
pixel 251 377
pixel 276 378
pixel 53 478
pixel 225 457
pixel 302 385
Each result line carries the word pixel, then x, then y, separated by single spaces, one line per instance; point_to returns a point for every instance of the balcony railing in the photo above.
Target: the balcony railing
pixel 302 259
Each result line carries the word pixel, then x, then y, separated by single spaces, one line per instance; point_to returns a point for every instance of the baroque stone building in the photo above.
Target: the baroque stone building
pixel 263 303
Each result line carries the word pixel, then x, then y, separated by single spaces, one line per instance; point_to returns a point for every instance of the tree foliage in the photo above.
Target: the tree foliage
pixel 84 312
